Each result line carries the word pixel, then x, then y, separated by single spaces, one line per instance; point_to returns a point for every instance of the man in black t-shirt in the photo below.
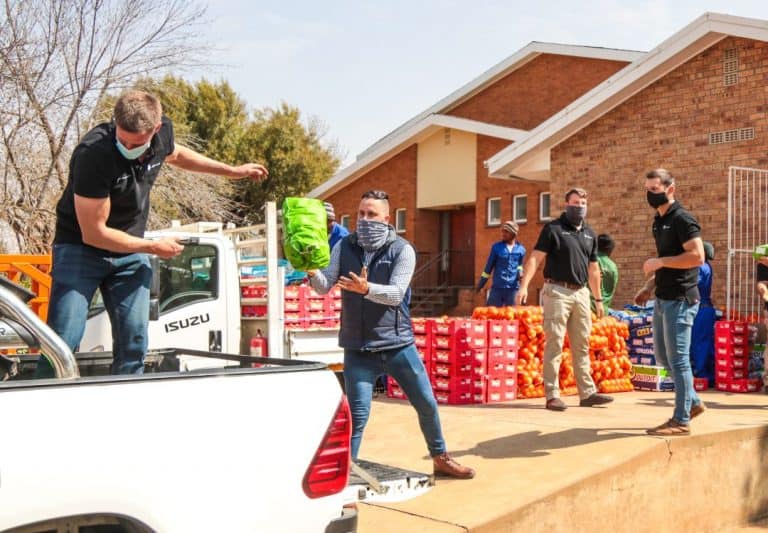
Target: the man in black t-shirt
pixel 761 275
pixel 567 247
pixel 675 279
pixel 100 223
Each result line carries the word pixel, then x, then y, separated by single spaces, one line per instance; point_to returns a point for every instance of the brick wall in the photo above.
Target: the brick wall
pixel 397 177
pixel 667 125
pixel 491 188
pixel 537 90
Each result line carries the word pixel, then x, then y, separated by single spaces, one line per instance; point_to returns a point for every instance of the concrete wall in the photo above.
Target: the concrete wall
pixel 704 483
pixel 446 169
pixel 667 125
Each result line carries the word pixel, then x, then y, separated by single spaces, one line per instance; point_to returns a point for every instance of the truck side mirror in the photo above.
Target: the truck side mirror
pixel 154 288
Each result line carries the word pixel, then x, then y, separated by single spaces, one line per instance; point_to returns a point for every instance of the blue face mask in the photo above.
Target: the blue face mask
pixel 133 153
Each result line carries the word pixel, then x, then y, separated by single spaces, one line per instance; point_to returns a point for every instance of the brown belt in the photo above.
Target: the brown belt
pixel 567 285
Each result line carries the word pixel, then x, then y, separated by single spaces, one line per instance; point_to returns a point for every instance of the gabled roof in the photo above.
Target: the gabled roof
pixel 516 160
pixel 398 139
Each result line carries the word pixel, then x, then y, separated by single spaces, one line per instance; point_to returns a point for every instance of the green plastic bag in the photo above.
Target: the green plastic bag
pixel 305 233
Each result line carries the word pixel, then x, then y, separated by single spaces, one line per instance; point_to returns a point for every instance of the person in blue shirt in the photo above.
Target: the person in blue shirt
pixel 336 232
pixel 703 332
pixel 506 263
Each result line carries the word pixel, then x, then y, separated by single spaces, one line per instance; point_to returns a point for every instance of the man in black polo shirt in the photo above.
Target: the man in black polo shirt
pixel 100 222
pixel 568 249
pixel 675 278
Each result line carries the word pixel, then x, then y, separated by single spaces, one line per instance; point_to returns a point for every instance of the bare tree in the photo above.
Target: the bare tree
pixel 58 58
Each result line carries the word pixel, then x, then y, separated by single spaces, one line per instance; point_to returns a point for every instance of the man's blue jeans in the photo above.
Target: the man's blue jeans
pixel 672 323
pixel 403 364
pixel 124 282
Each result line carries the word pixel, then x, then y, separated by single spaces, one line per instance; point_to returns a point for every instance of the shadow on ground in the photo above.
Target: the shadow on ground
pixel 538 444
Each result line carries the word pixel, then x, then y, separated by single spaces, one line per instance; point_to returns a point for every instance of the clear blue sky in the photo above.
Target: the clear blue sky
pixel 364 67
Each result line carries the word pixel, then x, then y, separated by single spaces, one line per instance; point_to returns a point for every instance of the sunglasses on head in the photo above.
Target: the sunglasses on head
pixel 376 195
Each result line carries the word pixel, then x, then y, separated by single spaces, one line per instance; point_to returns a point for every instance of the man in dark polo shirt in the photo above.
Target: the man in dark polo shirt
pixel 567 247
pixel 675 279
pixel 100 222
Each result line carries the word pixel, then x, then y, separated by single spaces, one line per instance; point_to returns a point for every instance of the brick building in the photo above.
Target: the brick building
pixel 433 166
pixel 696 105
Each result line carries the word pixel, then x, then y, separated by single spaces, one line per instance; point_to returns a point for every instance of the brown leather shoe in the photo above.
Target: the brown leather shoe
pixel 445 466
pixel 697 410
pixel 556 404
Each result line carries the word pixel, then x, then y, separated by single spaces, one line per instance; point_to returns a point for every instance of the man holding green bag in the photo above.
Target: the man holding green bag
pixel 373 267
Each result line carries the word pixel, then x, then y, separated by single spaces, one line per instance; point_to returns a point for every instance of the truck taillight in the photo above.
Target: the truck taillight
pixel 328 473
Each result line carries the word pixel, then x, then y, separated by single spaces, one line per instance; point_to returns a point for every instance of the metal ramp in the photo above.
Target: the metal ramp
pixel 374 482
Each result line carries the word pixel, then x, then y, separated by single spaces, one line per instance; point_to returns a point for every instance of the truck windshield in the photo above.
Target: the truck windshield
pixel 189 277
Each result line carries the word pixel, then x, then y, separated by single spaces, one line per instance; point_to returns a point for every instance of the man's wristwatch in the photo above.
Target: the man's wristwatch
pixel 598 299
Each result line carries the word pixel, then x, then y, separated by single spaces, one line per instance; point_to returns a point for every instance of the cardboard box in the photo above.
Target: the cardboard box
pixel 652 378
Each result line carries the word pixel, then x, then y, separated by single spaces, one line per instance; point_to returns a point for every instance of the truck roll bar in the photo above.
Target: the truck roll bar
pixel 54 348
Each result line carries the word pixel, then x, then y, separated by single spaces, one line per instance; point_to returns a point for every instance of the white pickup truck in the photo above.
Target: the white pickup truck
pixel 227 448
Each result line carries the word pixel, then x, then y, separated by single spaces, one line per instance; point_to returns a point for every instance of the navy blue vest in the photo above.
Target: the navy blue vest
pixel 366 325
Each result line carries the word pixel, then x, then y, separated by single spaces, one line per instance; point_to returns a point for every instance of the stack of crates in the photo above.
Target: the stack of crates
pixel 303 308
pixel 501 361
pixel 454 353
pixel 732 351
pixel 249 292
pixel 295 307
pixel 323 310
pixel 458 364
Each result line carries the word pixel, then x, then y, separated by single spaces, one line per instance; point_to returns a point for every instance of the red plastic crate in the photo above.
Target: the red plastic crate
pixel 453 382
pixel 419 326
pixel 700 384
pixel 745 385
pixel 455 397
pixel 731 351
pixel 467 369
pixel 729 373
pixel 459 357
pixel 394 390
pixel 501 355
pixel 503 328
pixel 730 327
pixel 500 395
pixel 297 292
pixel 726 340
pixel 731 362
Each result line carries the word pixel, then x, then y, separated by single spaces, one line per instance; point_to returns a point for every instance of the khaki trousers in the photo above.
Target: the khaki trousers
pixel 567 310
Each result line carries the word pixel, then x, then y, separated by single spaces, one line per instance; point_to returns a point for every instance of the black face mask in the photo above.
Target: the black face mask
pixel 656 199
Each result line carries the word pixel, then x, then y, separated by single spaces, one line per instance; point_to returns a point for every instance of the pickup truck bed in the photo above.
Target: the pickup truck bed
pixel 212 449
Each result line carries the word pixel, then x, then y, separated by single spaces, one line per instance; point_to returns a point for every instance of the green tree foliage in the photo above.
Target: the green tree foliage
pixel 293 152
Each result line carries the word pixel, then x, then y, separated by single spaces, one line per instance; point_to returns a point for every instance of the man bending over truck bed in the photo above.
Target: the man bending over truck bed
pixel 100 222
pixel 373 267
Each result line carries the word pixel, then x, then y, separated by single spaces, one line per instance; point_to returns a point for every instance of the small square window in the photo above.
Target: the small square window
pixel 544 208
pixel 494 212
pixel 520 208
pixel 344 221
pixel 400 220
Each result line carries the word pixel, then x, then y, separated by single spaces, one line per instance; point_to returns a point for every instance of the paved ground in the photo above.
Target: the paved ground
pixel 512 444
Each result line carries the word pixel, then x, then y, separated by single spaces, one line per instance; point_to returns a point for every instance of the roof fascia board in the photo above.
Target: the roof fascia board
pixel 609 94
pixel 474 126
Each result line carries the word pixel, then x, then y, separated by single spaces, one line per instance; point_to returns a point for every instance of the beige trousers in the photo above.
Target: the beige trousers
pixel 567 310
